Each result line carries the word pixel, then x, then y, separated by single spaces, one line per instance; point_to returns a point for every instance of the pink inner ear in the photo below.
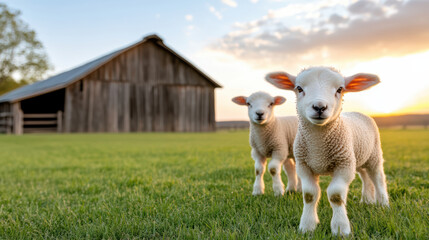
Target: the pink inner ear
pixel 281 80
pixel 279 100
pixel 361 82
pixel 240 100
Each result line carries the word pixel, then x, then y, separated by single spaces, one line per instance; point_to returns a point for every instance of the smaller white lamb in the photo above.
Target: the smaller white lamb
pixel 331 143
pixel 273 137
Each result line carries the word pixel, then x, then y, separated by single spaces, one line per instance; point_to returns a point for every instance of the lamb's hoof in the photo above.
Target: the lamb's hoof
pixel 340 228
pixel 257 192
pixel 294 189
pixel 384 203
pixel 308 226
pixel 290 189
pixel 367 200
pixel 279 192
pixel 383 200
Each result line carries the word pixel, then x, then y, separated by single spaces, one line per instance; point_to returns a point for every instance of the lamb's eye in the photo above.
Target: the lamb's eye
pixel 299 89
pixel 271 104
pixel 248 104
pixel 340 90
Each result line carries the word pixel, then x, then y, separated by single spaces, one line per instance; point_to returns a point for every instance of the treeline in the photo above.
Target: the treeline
pixel 403 121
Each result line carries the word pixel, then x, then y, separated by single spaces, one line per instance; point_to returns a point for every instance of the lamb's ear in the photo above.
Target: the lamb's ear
pixel 240 100
pixel 279 100
pixel 281 80
pixel 360 81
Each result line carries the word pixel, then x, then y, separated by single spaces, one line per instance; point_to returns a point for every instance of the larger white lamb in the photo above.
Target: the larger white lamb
pixel 331 143
pixel 273 137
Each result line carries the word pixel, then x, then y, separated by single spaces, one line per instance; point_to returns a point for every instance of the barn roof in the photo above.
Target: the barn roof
pixel 64 79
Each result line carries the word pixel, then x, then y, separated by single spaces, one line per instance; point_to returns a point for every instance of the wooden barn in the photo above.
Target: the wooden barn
pixel 146 87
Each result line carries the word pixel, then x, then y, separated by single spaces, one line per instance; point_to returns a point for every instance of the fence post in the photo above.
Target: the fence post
pixel 17 118
pixel 59 121
pixel 9 124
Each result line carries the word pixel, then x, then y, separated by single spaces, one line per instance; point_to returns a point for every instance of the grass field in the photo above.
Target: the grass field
pixel 186 186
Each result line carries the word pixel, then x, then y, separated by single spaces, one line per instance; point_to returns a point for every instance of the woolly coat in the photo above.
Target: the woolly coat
pixel 350 141
pixel 276 136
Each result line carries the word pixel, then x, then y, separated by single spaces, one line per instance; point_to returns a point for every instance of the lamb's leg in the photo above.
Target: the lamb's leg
pixel 368 191
pixel 311 195
pixel 379 180
pixel 260 161
pixel 275 170
pixel 292 179
pixel 337 195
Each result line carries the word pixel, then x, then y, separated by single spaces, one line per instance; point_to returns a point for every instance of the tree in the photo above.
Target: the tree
pixel 22 57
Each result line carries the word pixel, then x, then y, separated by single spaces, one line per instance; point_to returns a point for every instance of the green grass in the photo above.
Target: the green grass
pixel 191 186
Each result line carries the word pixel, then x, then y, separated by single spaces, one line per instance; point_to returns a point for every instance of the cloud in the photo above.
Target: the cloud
pixel 230 3
pixel 215 12
pixel 373 30
pixel 189 17
pixel 365 7
pixel 304 8
pixel 337 19
pixel 254 1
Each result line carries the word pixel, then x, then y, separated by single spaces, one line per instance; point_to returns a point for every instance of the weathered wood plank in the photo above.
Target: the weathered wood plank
pixel 6 122
pixel 90 106
pixel 133 107
pixel 6 114
pixel 17 118
pixel 140 110
pixel 85 105
pixel 40 115
pixel 68 107
pixel 45 122
pixel 59 121
pixel 98 107
pixel 212 121
pixel 126 107
pixel 40 130
pixel 148 108
pixel 112 107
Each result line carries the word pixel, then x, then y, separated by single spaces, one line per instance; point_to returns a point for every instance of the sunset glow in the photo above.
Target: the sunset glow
pixel 238 42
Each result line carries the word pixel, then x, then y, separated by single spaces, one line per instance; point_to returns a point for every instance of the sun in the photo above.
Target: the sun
pixel 403 83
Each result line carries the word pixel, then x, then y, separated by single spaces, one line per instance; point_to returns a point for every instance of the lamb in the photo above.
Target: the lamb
pixel 331 143
pixel 271 136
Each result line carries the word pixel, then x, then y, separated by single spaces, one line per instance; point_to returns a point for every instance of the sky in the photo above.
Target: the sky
pixel 237 42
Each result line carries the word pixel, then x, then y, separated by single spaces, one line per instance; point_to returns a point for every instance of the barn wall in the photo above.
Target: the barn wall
pixel 5 118
pixel 145 89
pixel 4 107
pixel 149 63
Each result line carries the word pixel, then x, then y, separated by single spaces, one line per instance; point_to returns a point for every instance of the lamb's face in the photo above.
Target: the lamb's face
pixel 319 91
pixel 260 106
pixel 319 94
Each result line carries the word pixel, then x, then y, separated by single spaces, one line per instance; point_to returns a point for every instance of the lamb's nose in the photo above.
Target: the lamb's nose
pixel 260 114
pixel 320 108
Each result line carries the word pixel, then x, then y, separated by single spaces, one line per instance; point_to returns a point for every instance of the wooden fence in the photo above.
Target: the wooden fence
pixel 6 122
pixel 43 122
pixel 31 123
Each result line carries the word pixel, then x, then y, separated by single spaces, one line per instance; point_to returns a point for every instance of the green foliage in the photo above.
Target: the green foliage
pixel 22 56
pixel 186 186
pixel 9 84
